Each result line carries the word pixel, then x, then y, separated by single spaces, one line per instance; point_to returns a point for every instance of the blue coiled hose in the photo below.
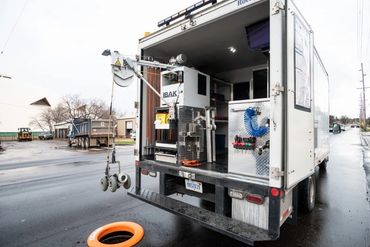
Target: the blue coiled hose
pixel 251 126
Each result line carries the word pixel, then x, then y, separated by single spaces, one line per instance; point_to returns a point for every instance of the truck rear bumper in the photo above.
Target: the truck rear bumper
pixel 217 222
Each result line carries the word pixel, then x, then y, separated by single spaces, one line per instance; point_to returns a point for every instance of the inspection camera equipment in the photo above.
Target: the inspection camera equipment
pixel 184 122
pixel 184 86
pixel 185 130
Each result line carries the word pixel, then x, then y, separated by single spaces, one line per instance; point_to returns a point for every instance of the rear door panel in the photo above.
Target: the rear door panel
pixel 300 107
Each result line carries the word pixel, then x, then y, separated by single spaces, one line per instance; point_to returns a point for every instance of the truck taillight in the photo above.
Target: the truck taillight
pixel 137 163
pixel 144 171
pixel 257 199
pixel 276 192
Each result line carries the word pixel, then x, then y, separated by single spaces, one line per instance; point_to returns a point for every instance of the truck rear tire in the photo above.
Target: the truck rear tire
pixel 323 165
pixel 87 142
pixel 307 194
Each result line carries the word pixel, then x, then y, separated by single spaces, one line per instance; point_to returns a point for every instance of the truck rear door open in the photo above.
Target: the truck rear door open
pixel 299 101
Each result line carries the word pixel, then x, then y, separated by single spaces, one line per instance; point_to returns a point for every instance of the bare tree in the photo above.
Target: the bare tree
pixel 72 106
pixel 344 119
pixel 44 121
pixel 76 107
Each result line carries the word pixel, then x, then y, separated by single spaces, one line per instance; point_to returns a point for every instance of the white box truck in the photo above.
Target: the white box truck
pixel 242 124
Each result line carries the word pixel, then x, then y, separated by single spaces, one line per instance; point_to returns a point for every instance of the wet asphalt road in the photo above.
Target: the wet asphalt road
pixel 50 196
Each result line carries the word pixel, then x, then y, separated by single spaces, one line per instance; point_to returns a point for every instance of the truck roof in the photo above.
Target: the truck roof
pixel 211 13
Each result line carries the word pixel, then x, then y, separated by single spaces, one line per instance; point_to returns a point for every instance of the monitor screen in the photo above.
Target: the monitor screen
pixel 258 35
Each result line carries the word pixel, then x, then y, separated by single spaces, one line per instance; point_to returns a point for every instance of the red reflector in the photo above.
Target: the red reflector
pixel 281 194
pixel 286 213
pixel 257 199
pixel 275 192
pixel 144 171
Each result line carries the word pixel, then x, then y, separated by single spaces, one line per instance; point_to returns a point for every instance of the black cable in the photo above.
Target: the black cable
pixel 14 26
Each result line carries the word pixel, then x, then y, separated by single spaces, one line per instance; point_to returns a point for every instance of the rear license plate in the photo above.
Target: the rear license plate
pixel 194 185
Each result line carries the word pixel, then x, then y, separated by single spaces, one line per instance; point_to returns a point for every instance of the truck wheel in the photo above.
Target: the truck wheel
pixel 113 183
pixel 307 194
pixel 87 142
pixel 323 165
pixel 104 183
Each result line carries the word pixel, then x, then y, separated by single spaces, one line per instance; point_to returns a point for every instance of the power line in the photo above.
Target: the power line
pixel 14 26
pixel 14 105
pixel 361 27
pixel 358 28
pixel 368 29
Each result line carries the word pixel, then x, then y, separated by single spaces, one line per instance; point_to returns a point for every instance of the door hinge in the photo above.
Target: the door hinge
pixel 277 90
pixel 277 7
pixel 275 173
pixel 136 152
pixel 136 105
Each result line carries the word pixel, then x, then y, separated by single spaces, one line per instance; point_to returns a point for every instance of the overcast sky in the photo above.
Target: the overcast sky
pixel 55 48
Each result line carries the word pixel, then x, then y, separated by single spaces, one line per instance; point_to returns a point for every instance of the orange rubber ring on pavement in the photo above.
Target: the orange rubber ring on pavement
pixel 135 229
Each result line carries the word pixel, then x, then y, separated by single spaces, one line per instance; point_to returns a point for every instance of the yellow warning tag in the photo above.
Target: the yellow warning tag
pixel 117 63
pixel 162 118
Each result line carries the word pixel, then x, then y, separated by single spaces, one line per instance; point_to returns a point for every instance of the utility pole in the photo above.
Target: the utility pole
pixel 363 94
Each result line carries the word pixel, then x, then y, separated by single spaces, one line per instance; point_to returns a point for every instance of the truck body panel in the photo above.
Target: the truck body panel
pixel 91 132
pixel 271 92
pixel 321 92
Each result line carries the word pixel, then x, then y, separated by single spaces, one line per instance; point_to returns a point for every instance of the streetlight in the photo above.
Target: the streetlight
pixel 5 76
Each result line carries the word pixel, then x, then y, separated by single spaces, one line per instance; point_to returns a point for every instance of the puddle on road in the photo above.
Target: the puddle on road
pixel 366 164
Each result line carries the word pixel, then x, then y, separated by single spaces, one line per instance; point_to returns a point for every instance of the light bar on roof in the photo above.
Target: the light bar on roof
pixel 185 12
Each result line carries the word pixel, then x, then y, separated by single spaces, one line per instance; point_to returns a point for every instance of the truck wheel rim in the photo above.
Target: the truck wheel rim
pixel 96 237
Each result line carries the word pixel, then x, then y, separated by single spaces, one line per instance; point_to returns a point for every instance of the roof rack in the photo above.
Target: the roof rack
pixel 185 12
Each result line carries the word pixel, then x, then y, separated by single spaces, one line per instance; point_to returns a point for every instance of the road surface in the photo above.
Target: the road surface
pixel 50 196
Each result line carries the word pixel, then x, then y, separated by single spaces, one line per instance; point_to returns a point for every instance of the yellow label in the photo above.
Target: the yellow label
pixel 117 63
pixel 162 118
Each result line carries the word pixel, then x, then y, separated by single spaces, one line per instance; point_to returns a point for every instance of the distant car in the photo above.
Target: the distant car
pixel 46 136
pixel 336 129
pixel 133 135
